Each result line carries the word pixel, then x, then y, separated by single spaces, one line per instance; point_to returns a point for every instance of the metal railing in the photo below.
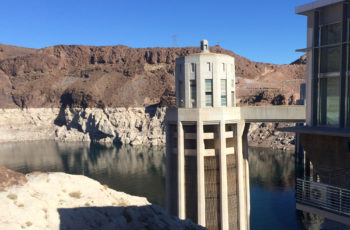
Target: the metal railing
pixel 323 196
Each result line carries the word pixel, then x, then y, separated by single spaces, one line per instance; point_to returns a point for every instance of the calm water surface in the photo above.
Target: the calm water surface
pixel 141 171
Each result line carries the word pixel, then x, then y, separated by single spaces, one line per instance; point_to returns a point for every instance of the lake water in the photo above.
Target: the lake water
pixel 141 171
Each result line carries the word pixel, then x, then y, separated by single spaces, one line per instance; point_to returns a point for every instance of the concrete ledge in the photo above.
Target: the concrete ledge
pixel 324 213
pixel 345 132
pixel 277 113
pixel 314 5
pixel 283 113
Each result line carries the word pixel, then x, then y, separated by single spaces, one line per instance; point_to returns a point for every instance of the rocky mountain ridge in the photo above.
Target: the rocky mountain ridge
pixel 118 76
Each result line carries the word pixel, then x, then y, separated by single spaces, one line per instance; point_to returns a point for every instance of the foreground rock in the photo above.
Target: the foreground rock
pixel 63 201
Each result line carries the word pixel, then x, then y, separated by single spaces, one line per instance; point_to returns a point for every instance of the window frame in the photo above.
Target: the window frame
pixel 209 93
pixel 326 75
pixel 223 96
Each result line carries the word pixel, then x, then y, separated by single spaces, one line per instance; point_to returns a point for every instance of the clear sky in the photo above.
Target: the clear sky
pixel 264 31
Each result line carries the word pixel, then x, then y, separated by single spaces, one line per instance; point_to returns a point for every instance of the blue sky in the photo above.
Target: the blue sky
pixel 264 31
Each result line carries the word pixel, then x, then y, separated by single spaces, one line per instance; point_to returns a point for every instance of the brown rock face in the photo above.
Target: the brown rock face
pixel 118 76
pixel 9 178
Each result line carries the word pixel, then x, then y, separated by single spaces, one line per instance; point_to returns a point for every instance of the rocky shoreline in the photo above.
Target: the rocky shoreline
pixel 135 126
pixel 61 201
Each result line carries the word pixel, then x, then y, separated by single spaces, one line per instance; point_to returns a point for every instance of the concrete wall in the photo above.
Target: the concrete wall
pixel 201 72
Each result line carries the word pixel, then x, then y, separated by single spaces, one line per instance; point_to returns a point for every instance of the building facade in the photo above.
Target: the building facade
pixel 328 69
pixel 323 189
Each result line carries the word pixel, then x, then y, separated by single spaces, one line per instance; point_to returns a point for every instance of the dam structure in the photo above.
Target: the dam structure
pixel 207 150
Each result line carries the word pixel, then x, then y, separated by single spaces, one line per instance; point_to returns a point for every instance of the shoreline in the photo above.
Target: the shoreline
pixel 134 126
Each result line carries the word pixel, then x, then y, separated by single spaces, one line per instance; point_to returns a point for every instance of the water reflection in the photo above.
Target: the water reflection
pixel 141 171
pixel 271 169
pixel 135 170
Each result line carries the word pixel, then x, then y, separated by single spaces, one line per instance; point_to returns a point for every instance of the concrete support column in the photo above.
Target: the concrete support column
pixel 167 180
pixel 243 210
pixel 181 169
pixel 223 178
pixel 200 174
pixel 246 163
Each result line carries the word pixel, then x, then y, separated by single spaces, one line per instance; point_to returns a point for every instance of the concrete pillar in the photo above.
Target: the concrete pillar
pixel 245 159
pixel 181 169
pixel 200 174
pixel 242 179
pixel 167 180
pixel 223 178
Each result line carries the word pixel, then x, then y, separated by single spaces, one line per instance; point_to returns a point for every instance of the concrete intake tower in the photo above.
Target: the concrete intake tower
pixel 207 166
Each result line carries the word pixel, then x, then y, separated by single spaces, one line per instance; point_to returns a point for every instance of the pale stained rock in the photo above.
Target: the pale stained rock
pixel 63 201
pixel 133 126
pixel 124 125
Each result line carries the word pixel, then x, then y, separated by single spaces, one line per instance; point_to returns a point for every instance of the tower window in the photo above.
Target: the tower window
pixel 223 67
pixel 208 64
pixel 223 92
pixel 193 67
pixel 179 67
pixel 208 92
pixel 193 93
pixel 181 95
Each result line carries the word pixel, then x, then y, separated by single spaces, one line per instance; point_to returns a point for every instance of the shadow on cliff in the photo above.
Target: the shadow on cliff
pixel 119 217
pixel 66 101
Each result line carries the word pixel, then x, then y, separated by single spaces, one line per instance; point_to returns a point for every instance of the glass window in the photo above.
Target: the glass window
pixel 223 92
pixel 181 95
pixel 331 34
pixel 348 103
pixel 330 59
pixel 208 92
pixel 233 98
pixel 193 67
pixel 193 93
pixel 329 101
pixel 179 67
pixel 208 64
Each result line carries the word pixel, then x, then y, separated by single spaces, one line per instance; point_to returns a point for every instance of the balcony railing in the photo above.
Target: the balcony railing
pixel 323 196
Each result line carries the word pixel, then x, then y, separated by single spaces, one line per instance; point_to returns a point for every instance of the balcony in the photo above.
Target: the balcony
pixel 323 196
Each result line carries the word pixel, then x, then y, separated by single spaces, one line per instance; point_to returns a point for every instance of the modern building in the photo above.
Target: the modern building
pixel 326 135
pixel 207 168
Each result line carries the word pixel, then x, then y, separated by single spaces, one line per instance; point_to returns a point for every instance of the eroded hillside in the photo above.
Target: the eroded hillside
pixel 120 76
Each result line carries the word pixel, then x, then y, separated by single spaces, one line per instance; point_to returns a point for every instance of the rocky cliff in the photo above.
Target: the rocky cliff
pixel 119 76
pixel 59 201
